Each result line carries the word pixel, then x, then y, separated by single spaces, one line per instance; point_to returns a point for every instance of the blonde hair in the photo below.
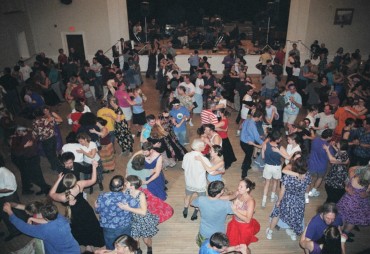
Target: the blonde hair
pixel 158 132
pixel 69 181
pixel 140 93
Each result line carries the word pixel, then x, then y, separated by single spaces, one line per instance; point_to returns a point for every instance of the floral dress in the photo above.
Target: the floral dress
pixel 144 226
pixel 355 209
pixel 123 133
pixel 172 146
pixel 291 209
pixel 335 179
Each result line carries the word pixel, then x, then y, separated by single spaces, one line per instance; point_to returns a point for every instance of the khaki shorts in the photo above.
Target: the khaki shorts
pixel 199 239
pixel 289 118
pixel 271 171
pixel 189 193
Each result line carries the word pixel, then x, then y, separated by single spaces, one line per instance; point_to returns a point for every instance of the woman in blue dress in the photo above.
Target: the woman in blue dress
pixel 156 182
pixel 291 202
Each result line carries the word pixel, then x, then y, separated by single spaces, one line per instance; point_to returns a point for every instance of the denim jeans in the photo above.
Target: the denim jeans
pixel 111 234
pixel 181 135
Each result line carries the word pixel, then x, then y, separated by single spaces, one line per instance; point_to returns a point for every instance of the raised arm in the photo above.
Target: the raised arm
pixel 57 117
pixel 59 197
pixel 86 183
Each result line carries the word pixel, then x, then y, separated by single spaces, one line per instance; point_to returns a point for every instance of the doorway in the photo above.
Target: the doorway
pixel 76 41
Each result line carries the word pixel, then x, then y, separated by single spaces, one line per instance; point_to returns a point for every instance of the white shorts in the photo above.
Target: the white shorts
pixel 271 171
pixel 289 118
pixel 127 112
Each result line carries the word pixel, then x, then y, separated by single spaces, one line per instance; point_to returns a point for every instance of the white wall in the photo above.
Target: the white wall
pixel 100 21
pixel 311 20
pixel 321 25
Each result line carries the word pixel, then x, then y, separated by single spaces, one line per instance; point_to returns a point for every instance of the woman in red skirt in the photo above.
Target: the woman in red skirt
pixel 242 229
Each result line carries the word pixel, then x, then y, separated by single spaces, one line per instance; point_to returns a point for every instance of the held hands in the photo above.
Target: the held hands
pixel 28 144
pixel 123 206
pixel 94 164
pixel 60 176
pixel 8 208
pixel 275 149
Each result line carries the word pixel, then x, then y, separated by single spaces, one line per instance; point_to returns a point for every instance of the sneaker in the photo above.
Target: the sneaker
pixel 293 237
pixel 191 123
pixel 274 198
pixel 312 192
pixel 289 232
pixel 133 135
pixel 306 199
pixel 238 133
pixel 268 233
pixel 263 203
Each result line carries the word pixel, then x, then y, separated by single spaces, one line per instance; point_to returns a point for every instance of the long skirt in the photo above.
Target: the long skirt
pixel 242 233
pixel 229 155
pixel 107 157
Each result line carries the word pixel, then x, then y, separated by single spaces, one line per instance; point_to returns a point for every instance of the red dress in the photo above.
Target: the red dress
pixel 157 206
pixel 240 232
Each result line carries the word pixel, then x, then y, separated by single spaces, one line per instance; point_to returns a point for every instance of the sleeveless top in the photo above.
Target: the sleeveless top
pixel 271 157
pixel 218 177
pixel 152 164
pixel 243 206
pixel 223 133
pixel 211 139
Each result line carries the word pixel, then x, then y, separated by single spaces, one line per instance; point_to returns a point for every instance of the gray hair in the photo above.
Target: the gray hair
pixel 197 144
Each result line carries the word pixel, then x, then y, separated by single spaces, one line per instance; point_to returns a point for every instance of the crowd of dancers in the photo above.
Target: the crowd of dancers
pixel 331 145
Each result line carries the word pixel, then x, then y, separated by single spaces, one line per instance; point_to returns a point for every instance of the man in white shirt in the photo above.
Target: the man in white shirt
pixel 25 70
pixel 8 193
pixel 327 120
pixel 195 175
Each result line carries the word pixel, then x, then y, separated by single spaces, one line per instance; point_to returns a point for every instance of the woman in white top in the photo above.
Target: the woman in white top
pixel 245 107
pixel 90 152
pixel 292 147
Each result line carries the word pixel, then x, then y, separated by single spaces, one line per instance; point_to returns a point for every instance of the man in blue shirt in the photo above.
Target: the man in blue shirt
pixel 293 102
pixel 114 220
pixel 179 115
pixel 56 232
pixel 194 61
pixel 213 211
pixel 219 243
pixel 249 138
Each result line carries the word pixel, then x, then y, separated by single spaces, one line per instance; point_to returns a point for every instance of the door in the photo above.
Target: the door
pixel 76 41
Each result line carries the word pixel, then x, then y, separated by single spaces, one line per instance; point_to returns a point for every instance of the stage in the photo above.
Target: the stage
pixel 215 59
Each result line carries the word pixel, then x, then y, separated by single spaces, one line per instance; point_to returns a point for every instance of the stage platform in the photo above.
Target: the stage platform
pixel 215 59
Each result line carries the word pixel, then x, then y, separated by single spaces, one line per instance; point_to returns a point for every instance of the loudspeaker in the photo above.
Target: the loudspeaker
pixel 66 1
pixel 144 8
